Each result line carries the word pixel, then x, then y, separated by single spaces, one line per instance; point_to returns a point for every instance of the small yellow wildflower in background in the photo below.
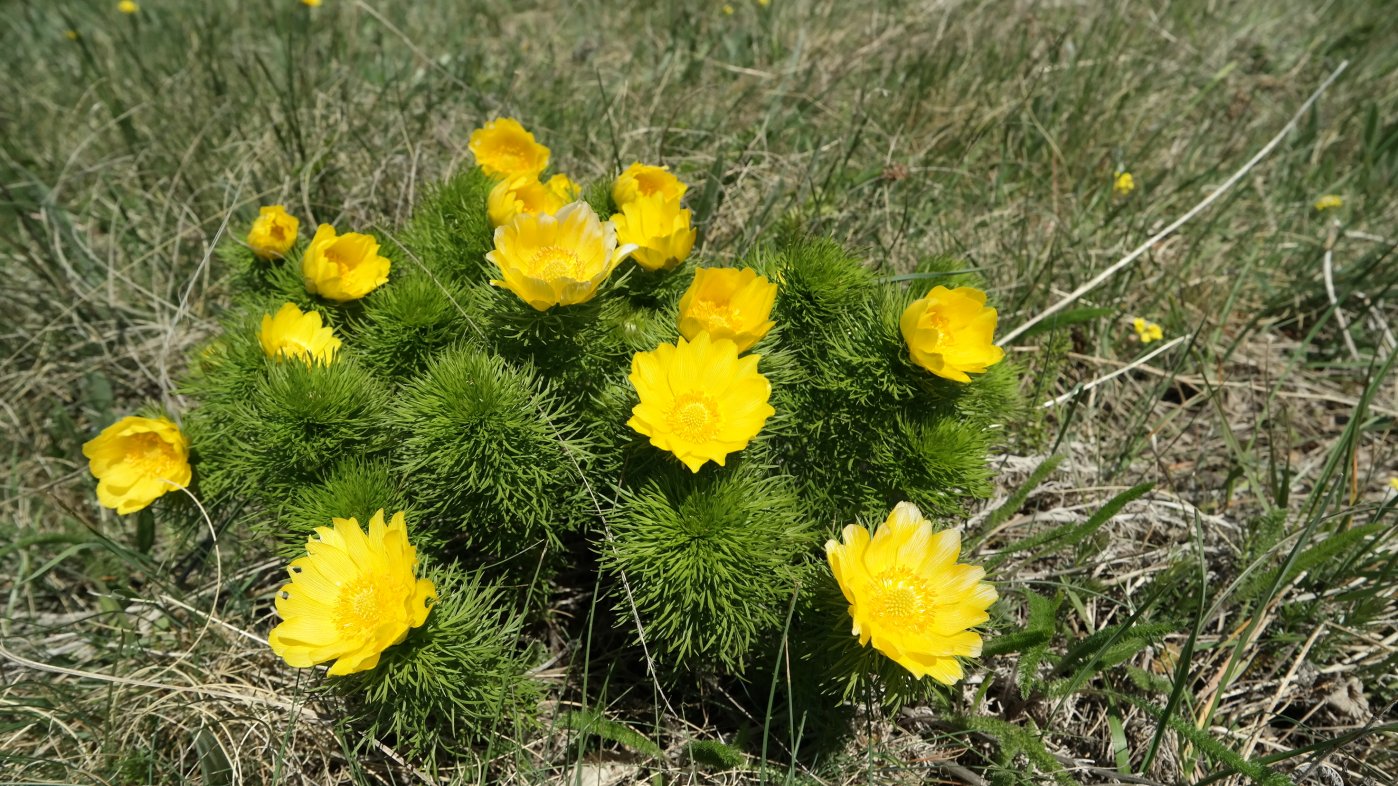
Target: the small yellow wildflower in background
pixel 951 333
pixel 727 10
pixel 699 400
pixel 1393 483
pixel 273 233
pixel 909 596
pixel 1124 183
pixel 343 267
pixel 351 597
pixel 641 180
pixel 71 35
pixel 311 3
pixel 660 229
pixel 728 304
pixel 1147 331
pixel 294 334
pixel 1329 202
pixel 764 3
pixel 128 7
pixel 503 149
pixel 136 460
pixel 556 259
pixel 528 195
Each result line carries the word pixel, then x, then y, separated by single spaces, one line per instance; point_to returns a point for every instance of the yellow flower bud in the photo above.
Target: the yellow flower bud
pixel 659 228
pixel 643 180
pixel 273 233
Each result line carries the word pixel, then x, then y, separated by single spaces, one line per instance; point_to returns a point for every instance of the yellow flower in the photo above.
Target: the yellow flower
pixel 728 303
pixel 71 35
pixel 951 333
pixel 699 400
pixel 292 333
pixel 128 7
pixel 311 3
pixel 273 233
pixel 351 597
pixel 908 594
pixel 1393 483
pixel 343 267
pixel 1147 331
pixel 659 228
pixel 1124 183
pixel 727 9
pixel 556 259
pixel 764 3
pixel 1329 202
pixel 643 180
pixel 528 195
pixel 135 460
pixel 504 149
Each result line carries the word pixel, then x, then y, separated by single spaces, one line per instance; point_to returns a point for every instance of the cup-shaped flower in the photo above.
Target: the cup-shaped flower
pixel 643 180
pixel 135 460
pixel 951 333
pixel 660 229
pixel 351 597
pixel 343 267
pixel 556 259
pixel 909 596
pixel 728 303
pixel 296 334
pixel 503 149
pixel 518 195
pixel 699 400
pixel 273 233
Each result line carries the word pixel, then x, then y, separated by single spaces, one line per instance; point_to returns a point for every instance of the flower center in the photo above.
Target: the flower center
pixel 341 257
pixel 278 233
pixel 939 323
pixel 363 604
pixel 717 316
pixel 151 454
pixel 512 155
pixel 554 262
pixel 694 418
pixel 901 600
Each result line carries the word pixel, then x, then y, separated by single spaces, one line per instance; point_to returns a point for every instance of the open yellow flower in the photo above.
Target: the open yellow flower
pixel 504 149
pixel 699 400
pixel 1147 331
pixel 518 195
pixel 273 233
pixel 135 460
pixel 951 333
pixel 659 228
pixel 908 594
pixel 643 180
pixel 351 597
pixel 556 259
pixel 728 303
pixel 343 267
pixel 292 333
pixel 128 7
pixel 1124 183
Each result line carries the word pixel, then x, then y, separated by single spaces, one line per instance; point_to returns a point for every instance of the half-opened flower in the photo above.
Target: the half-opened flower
pixel 273 233
pixel 728 303
pixel 951 333
pixel 699 400
pixel 135 460
pixel 518 195
pixel 343 267
pixel 556 259
pixel 909 596
pixel 660 229
pixel 504 149
pixel 297 334
pixel 641 180
pixel 351 597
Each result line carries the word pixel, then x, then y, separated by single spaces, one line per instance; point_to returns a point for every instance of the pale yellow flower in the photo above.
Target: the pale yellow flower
pixel 128 7
pixel 273 233
pixel 728 303
pixel 343 267
pixel 556 259
pixel 909 596
pixel 136 460
pixel 641 180
pixel 351 597
pixel 727 9
pixel 71 35
pixel 1147 331
pixel 1329 202
pixel 699 399
pixel 311 3
pixel 503 149
pixel 1124 183
pixel 659 228
pixel 951 333
pixel 294 334
pixel 528 195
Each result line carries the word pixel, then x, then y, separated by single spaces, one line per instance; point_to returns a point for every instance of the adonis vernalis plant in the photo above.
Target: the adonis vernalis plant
pixel 549 422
